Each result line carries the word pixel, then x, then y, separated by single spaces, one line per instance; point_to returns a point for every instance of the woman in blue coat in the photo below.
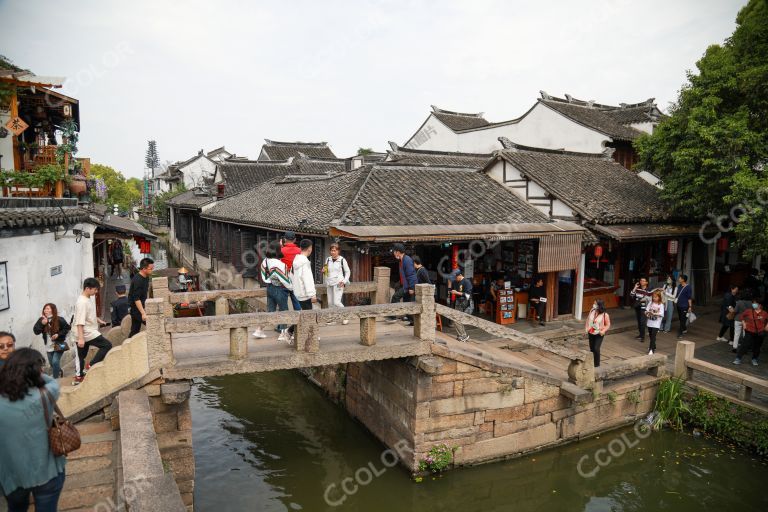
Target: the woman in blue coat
pixel 28 465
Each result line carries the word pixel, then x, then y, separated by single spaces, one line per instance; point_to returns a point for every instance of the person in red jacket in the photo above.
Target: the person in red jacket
pixel 755 321
pixel 290 251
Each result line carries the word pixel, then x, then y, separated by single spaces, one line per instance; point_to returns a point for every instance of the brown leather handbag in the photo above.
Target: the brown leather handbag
pixel 63 436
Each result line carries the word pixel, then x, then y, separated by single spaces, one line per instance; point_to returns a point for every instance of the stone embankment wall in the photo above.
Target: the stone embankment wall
pixel 486 414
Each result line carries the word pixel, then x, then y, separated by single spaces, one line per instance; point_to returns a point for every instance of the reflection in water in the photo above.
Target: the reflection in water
pixel 273 442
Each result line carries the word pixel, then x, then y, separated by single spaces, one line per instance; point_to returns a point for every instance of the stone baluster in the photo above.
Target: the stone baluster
pixel 381 278
pixel 368 331
pixel 424 322
pixel 238 342
pixel 306 334
pixel 222 306
pixel 160 290
pixel 582 372
pixel 159 349
pixel 683 354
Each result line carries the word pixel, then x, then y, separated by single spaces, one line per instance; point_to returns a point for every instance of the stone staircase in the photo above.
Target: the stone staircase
pixel 125 366
pixel 92 470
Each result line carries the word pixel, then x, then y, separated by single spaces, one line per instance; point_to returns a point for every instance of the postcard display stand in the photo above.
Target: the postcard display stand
pixel 506 308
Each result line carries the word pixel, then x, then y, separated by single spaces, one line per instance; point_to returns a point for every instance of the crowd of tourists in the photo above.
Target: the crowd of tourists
pixel 29 466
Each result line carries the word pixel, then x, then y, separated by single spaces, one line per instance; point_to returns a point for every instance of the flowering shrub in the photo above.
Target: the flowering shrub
pixel 98 188
pixel 437 459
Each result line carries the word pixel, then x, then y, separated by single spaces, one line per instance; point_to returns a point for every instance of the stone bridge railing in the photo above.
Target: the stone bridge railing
pixel 162 328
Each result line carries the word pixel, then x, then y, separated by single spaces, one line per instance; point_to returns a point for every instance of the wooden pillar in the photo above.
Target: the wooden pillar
pixel 222 306
pixel 17 159
pixel 551 281
pixel 159 348
pixel 368 331
pixel 306 337
pixel 424 323
pixel 683 353
pixel 238 343
pixel 381 278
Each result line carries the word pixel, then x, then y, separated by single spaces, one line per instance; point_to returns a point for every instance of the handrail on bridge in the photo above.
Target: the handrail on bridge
pixel 161 324
pixel 686 364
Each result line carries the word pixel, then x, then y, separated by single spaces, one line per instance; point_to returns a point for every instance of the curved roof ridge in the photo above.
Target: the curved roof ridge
pixel 294 143
pixel 514 146
pixel 403 149
pixel 439 110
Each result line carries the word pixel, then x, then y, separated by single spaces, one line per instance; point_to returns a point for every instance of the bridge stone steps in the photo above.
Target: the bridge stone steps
pixel 92 470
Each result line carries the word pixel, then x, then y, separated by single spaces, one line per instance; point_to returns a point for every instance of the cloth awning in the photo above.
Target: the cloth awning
pixel 636 232
pixel 421 232
pixel 559 252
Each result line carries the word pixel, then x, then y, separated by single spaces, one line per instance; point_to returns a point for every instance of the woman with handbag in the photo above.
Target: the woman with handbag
pixel 29 466
pixel 598 323
pixel 54 330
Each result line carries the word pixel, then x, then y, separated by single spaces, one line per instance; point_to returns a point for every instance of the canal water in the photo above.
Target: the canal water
pixel 273 442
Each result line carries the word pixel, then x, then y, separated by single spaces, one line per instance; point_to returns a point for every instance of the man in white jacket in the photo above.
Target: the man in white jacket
pixel 303 280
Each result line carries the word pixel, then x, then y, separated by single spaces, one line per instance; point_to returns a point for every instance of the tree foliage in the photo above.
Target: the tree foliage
pixel 124 193
pixel 151 159
pixel 711 152
pixel 160 202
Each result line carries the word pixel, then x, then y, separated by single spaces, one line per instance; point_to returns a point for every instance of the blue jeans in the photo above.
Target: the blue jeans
pixel 668 312
pixel 46 496
pixel 54 359
pixel 277 300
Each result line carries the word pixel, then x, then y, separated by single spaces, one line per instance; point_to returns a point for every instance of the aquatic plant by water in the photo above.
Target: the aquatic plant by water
pixel 670 408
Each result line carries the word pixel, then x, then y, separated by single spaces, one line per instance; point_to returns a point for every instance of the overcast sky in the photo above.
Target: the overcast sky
pixel 201 74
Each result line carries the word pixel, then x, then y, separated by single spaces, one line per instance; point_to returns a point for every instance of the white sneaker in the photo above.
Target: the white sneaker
pixel 284 336
pixel 330 323
pixel 650 352
pixel 720 338
pixel 291 339
pixel 258 333
pixel 344 322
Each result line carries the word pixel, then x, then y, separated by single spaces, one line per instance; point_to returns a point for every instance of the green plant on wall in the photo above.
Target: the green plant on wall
pixel 728 421
pixel 69 143
pixel 437 459
pixel 44 175
pixel 634 396
pixel 612 397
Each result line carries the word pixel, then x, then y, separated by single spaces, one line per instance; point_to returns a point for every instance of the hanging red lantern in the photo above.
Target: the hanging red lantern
pixel 598 251
pixel 722 244
pixel 673 246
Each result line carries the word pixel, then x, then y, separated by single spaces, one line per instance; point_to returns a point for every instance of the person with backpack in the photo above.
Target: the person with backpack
pixel 116 257
pixel 642 297
pixel 598 323
pixel 337 274
pixel 302 278
pixel 290 251
pixel 54 330
pixel 422 274
pixel 274 274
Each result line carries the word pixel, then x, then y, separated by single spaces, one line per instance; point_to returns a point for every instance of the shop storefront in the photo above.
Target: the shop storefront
pixel 491 256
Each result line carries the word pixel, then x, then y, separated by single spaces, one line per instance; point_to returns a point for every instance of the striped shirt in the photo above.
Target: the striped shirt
pixel 274 272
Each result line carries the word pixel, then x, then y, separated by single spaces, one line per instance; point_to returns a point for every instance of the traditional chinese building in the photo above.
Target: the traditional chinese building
pixel 34 123
pixel 553 123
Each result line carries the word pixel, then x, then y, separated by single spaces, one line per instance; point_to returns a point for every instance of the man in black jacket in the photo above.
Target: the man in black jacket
pixel 537 295
pixel 137 295
pixel 120 306
pixel 422 274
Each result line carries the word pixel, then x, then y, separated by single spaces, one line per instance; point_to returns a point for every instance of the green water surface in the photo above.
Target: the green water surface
pixel 273 442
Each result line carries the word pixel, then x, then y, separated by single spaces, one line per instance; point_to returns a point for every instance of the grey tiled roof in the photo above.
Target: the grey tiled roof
pixel 642 114
pixel 194 198
pixel 275 150
pixel 459 121
pixel 17 213
pixel 241 175
pixel 416 195
pixel 405 156
pixel 594 118
pixel 594 186
pixel 303 203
